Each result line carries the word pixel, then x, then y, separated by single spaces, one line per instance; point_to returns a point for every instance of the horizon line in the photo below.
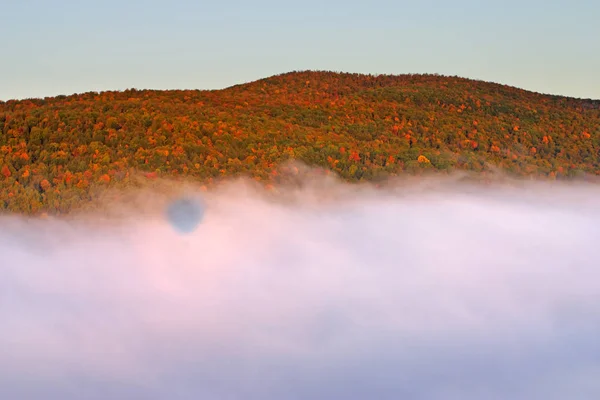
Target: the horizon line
pixel 97 92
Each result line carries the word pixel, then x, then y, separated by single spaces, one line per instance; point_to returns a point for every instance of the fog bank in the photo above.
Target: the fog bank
pixel 440 290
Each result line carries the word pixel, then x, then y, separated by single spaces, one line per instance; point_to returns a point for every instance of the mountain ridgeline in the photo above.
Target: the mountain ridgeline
pixel 59 153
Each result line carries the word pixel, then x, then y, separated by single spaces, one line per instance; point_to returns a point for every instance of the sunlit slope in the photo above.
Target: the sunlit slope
pixel 57 152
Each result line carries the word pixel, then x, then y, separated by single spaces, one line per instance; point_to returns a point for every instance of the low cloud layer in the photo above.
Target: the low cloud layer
pixel 442 291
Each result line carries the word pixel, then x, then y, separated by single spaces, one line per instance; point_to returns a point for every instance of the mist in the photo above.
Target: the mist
pixel 430 290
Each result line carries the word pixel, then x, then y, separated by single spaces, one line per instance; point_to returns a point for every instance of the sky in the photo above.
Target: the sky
pixel 73 46
pixel 434 291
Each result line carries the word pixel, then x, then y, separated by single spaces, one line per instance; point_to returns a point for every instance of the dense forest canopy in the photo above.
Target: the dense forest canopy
pixel 57 153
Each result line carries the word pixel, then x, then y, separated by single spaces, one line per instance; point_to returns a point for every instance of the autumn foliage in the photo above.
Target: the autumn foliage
pixel 56 153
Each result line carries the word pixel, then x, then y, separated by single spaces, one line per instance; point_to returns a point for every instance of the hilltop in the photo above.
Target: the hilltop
pixel 57 153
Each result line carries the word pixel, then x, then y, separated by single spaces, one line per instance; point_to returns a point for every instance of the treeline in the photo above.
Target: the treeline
pixel 56 153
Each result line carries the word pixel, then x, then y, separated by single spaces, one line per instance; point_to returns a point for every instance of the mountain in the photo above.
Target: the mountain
pixel 57 153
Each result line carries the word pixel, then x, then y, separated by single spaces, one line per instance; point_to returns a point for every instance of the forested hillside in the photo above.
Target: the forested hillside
pixel 56 153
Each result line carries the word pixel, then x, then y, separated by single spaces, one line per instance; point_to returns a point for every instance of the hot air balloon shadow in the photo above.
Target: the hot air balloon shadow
pixel 185 214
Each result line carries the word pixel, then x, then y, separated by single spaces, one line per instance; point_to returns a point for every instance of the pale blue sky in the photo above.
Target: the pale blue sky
pixel 70 46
